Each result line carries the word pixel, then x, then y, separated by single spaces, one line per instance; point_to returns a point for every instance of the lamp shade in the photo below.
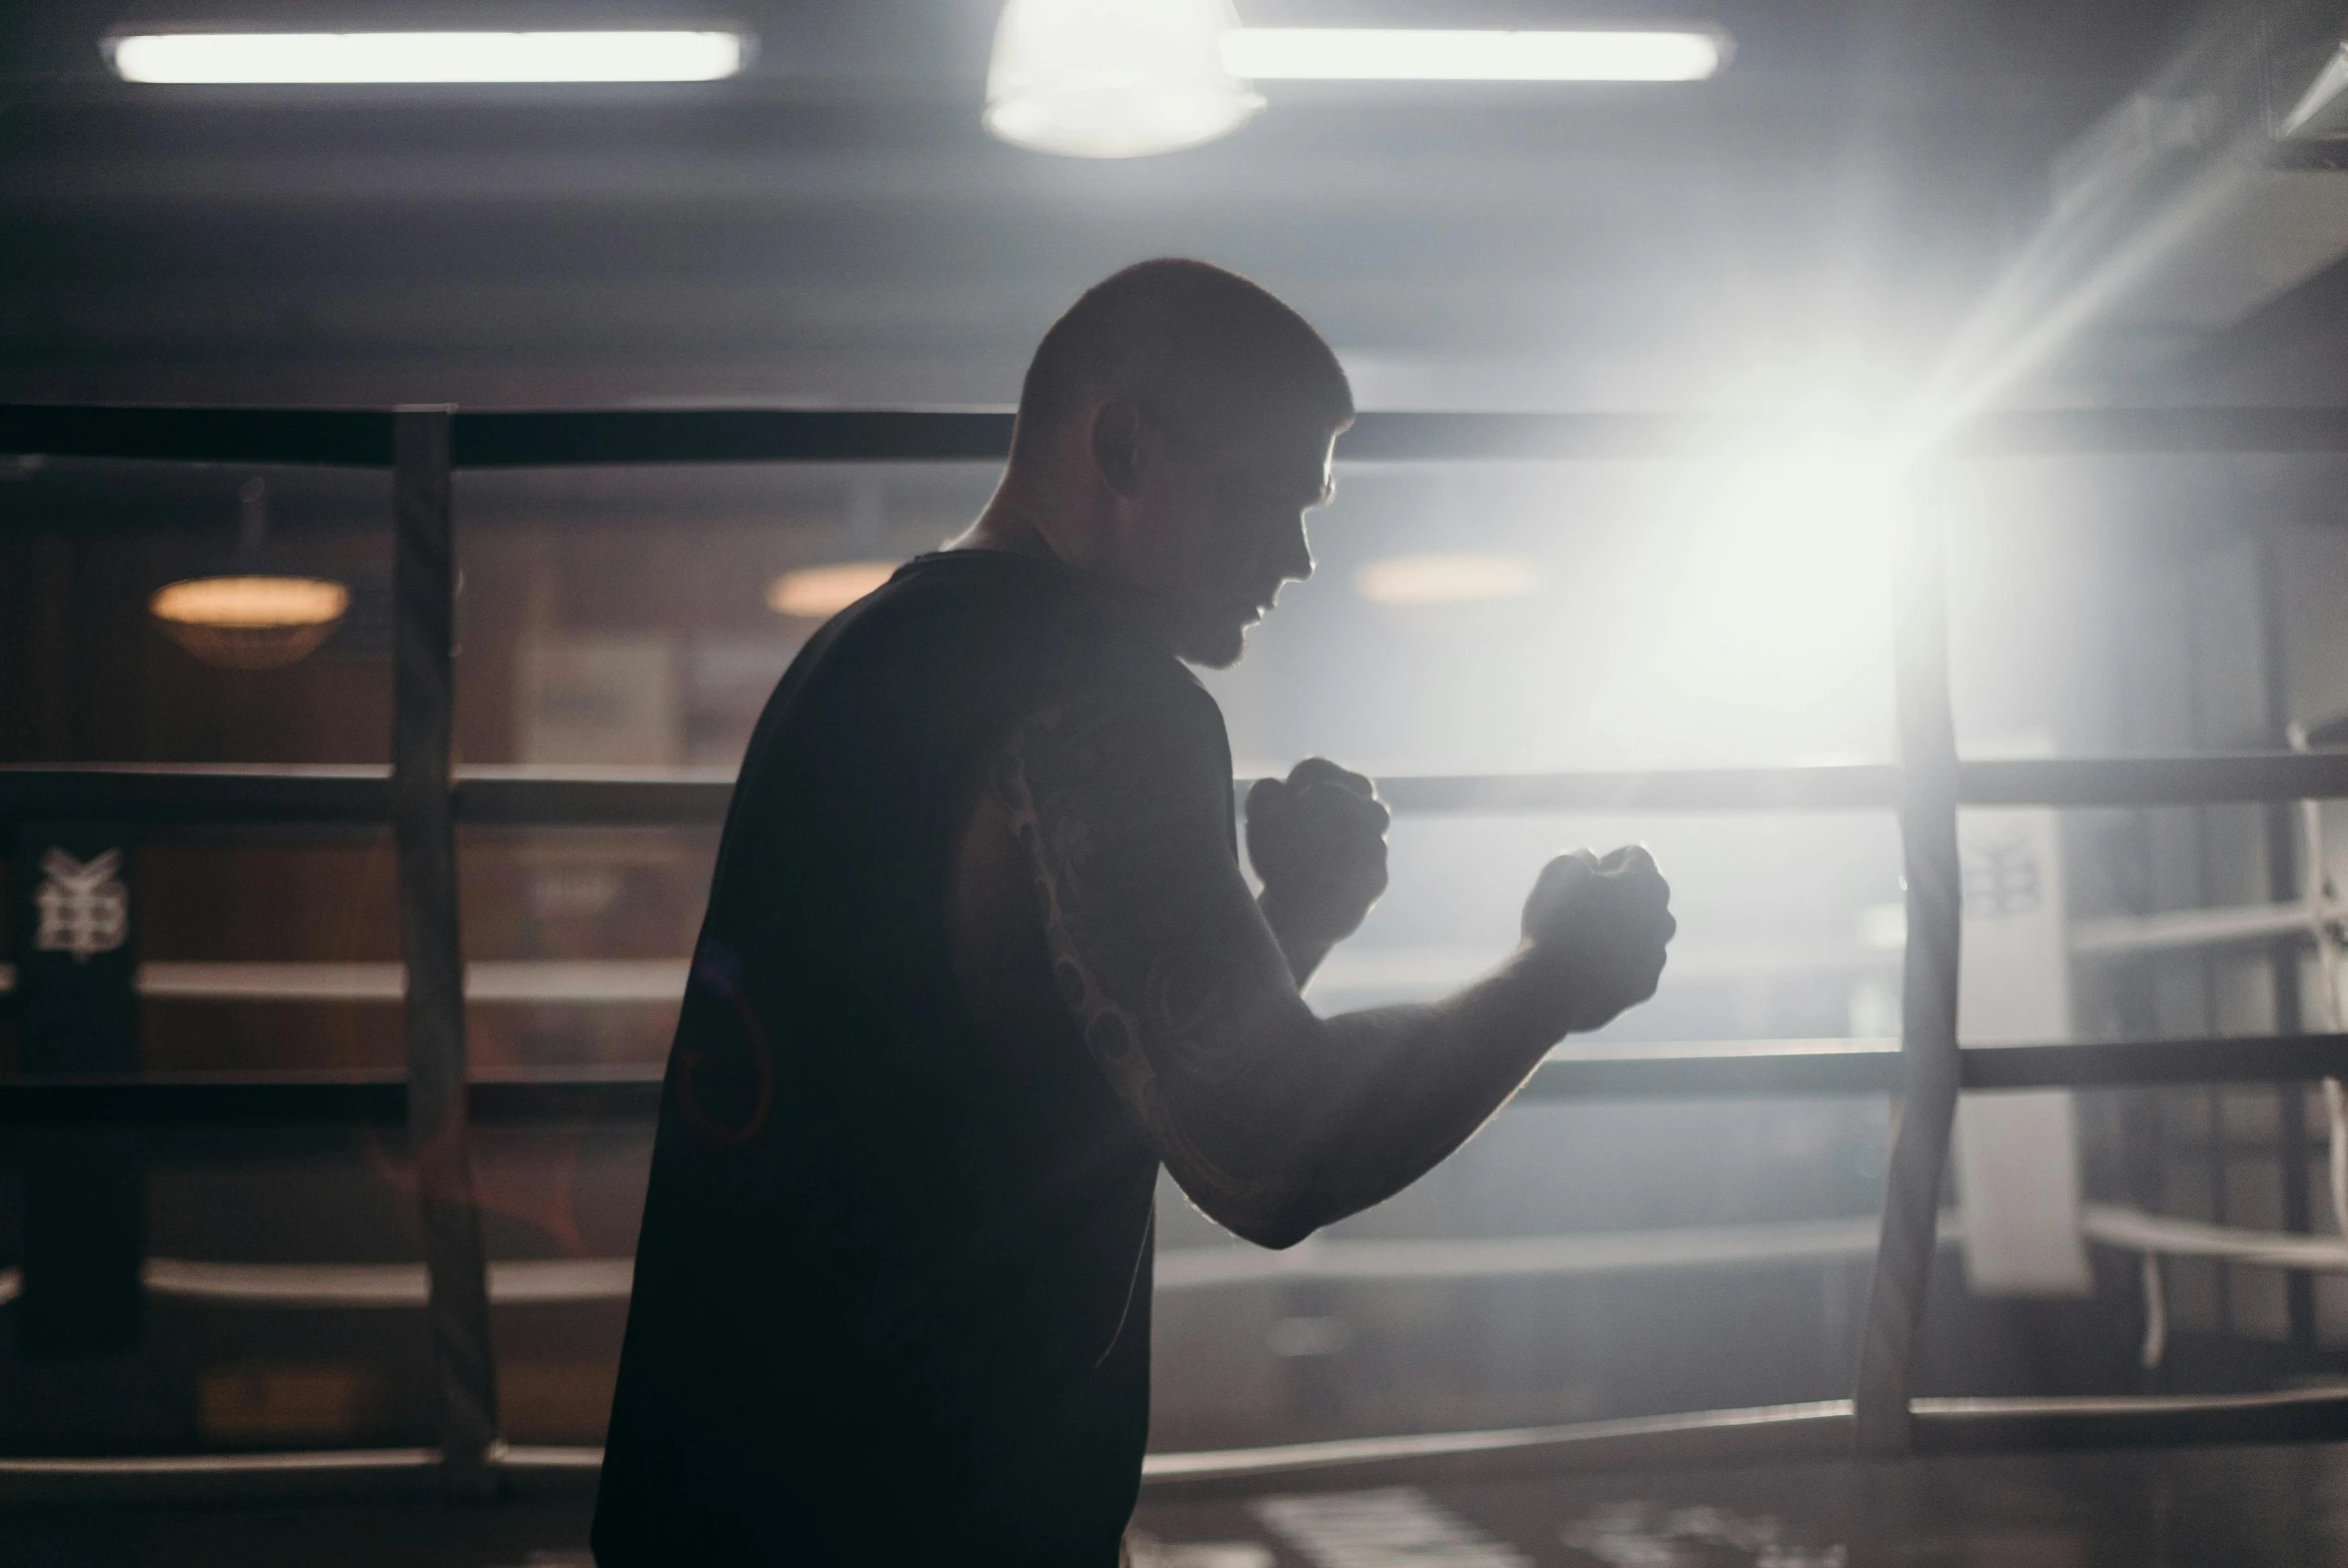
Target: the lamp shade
pixel 250 623
pixel 1113 78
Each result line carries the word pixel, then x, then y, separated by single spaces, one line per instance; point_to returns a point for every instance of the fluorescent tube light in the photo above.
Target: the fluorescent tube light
pixel 1382 54
pixel 636 56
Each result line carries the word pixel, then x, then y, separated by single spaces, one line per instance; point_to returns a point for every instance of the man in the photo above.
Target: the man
pixel 980 959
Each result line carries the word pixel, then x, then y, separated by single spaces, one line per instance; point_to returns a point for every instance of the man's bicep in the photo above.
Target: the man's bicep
pixel 1157 951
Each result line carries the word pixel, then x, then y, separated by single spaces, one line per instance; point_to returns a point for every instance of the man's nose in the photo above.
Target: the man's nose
pixel 1295 556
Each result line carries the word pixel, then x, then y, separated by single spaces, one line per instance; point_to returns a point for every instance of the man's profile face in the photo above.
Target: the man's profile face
pixel 1213 525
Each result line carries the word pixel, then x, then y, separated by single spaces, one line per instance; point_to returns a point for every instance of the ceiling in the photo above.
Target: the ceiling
pixel 835 227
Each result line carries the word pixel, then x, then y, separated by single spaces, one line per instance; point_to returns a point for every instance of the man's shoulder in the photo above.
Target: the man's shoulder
pixel 1136 721
pixel 971 608
pixel 976 638
pixel 977 600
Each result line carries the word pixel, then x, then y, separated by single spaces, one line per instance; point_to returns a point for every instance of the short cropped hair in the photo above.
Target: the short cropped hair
pixel 1203 349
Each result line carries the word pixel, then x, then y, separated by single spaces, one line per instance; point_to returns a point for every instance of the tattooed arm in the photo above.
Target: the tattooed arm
pixel 1276 1121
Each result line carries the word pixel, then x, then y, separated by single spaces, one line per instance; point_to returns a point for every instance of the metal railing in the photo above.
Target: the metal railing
pixel 423 800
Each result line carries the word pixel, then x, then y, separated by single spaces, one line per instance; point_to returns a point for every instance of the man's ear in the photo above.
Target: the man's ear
pixel 1117 444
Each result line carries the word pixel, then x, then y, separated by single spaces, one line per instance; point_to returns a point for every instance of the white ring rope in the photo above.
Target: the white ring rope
pixel 2134 1230
pixel 364 1284
pixel 2319 918
pixel 2319 896
pixel 548 1281
pixel 381 1284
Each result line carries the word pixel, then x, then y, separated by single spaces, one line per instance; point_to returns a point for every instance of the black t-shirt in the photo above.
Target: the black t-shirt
pixel 892 1287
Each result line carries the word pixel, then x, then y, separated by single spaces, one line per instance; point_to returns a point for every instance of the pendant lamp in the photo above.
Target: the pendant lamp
pixel 1113 78
pixel 249 619
pixel 250 623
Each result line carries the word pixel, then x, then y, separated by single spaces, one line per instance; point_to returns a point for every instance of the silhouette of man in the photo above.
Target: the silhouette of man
pixel 980 959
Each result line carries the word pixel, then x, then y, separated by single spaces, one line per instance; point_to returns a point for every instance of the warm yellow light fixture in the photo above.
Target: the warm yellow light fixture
pixel 1447 578
pixel 816 592
pixel 250 623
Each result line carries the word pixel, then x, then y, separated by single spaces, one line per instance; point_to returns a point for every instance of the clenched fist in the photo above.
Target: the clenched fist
pixel 1318 840
pixel 1596 928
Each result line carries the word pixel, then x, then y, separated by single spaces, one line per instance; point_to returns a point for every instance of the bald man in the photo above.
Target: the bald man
pixel 979 961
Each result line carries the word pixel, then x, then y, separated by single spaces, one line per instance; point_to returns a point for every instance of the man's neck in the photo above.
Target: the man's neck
pixel 1007 524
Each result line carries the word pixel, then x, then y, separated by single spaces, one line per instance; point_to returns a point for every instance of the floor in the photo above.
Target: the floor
pixel 2223 1508
pixel 2216 1508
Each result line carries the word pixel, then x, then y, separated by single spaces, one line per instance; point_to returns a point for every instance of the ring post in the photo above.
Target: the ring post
pixel 423 827
pixel 2280 827
pixel 1923 1114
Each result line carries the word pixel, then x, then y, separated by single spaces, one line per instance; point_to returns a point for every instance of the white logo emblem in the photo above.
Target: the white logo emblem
pixel 2001 878
pixel 84 908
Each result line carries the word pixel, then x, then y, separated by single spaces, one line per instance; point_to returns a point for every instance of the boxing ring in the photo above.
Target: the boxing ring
pixel 424 801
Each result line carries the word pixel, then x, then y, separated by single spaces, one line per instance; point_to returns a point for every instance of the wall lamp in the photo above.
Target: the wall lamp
pixel 818 593
pixel 1447 579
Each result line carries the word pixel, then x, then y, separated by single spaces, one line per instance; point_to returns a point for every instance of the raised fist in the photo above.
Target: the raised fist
pixel 1318 840
pixel 1596 928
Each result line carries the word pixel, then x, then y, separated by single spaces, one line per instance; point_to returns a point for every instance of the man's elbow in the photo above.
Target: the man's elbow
pixel 1278 1226
pixel 1279 1237
pixel 1270 1211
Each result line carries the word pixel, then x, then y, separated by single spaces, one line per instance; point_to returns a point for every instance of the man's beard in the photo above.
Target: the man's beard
pixel 1213 644
pixel 1210 637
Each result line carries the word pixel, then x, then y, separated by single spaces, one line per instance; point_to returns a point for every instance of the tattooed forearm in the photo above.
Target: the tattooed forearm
pixel 1273 1120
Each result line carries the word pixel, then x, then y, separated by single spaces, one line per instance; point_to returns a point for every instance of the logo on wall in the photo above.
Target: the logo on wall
pixel 2001 878
pixel 84 907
